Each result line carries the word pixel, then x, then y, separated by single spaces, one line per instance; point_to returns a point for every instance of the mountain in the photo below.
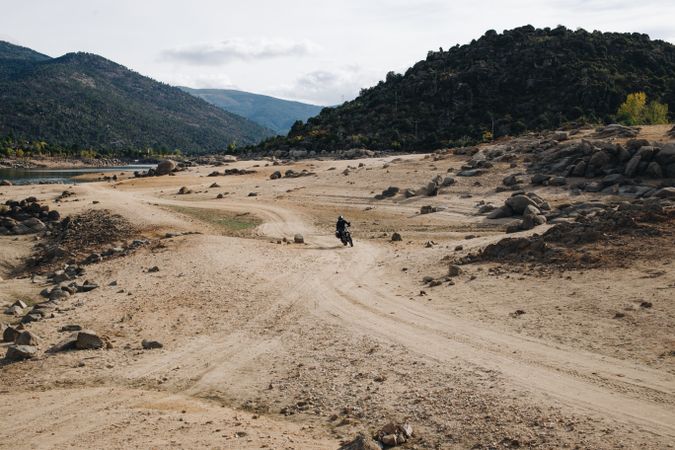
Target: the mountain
pixel 84 101
pixel 273 113
pixel 522 79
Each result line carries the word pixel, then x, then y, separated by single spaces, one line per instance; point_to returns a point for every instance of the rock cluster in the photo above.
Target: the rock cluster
pixel 26 217
pixel 529 206
pixel 228 172
pixel 616 130
pixel 620 166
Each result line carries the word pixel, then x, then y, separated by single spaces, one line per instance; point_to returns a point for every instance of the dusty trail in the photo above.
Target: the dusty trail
pixel 359 298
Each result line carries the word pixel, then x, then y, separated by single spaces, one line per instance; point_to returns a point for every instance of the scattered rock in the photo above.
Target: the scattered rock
pixel 20 352
pixel 275 175
pixel 392 434
pixel 88 340
pixel 149 345
pixel 299 239
pixel 184 190
pixel 27 338
pixel 10 334
pixel 391 191
pixel 395 237
pixel 454 270
pixel 153 269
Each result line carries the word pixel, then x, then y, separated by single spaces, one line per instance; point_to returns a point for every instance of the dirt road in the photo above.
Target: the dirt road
pixel 300 346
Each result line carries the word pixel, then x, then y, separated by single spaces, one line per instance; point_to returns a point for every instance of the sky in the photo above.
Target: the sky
pixel 320 52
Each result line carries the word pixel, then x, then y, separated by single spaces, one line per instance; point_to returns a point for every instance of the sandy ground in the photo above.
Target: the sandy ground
pixel 270 345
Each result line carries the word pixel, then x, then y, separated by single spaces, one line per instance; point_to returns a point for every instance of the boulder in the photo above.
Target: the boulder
pixel 654 170
pixel 165 167
pixel 454 270
pixel 390 191
pixel 36 225
pixel 58 293
pixel 539 179
pixel 666 192
pixel 499 213
pixel 666 155
pixel 409 193
pixel 14 311
pixel 5 183
pixel 149 345
pixel 471 172
pixel 448 181
pixel 88 340
pixel 395 237
pixel 557 181
pixel 511 180
pixel 632 166
pixel 20 352
pixel 599 159
pixel 10 334
pixel 27 338
pixel 519 202
pixel 275 175
pixel 184 190
pixel 299 239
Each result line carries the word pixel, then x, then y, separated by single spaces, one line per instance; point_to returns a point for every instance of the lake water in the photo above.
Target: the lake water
pixel 35 176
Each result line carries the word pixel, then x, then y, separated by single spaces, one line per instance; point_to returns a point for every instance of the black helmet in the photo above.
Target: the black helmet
pixel 341 218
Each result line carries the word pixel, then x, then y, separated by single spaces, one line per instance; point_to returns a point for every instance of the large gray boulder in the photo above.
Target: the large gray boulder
pixel 88 340
pixel 519 202
pixel 20 352
pixel 165 167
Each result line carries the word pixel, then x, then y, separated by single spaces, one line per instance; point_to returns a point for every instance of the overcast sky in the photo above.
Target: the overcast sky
pixel 318 51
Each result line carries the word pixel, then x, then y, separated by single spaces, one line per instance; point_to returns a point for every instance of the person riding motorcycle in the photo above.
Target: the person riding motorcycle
pixel 341 226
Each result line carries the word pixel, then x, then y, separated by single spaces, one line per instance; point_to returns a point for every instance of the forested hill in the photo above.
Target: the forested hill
pixel 522 79
pixel 273 113
pixel 84 101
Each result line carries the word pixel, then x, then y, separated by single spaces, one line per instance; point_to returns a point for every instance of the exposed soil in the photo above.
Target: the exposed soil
pixel 267 343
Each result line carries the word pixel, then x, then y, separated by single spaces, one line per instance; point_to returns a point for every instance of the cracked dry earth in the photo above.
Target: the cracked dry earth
pixel 302 346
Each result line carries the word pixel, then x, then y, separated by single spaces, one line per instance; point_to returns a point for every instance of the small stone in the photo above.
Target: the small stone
pixel 299 239
pixel 153 269
pixel 395 237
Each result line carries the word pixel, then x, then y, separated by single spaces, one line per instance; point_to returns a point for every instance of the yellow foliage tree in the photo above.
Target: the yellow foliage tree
pixel 636 111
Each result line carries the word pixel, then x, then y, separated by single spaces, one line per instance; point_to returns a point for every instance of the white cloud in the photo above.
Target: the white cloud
pixel 198 81
pixel 328 87
pixel 223 52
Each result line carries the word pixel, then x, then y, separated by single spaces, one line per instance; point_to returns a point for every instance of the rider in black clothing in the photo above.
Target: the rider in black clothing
pixel 341 226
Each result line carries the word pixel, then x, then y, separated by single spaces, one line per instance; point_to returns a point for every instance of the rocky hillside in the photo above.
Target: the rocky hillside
pixel 522 79
pixel 84 101
pixel 274 113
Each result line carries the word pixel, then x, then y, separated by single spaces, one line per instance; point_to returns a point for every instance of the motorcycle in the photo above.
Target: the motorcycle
pixel 345 237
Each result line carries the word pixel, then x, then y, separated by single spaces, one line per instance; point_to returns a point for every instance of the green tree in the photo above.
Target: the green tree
pixel 656 113
pixel 636 111
pixel 631 111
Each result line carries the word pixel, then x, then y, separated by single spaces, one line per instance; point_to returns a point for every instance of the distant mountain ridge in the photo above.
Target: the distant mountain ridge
pixel 271 112
pixel 82 100
pixel 522 79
